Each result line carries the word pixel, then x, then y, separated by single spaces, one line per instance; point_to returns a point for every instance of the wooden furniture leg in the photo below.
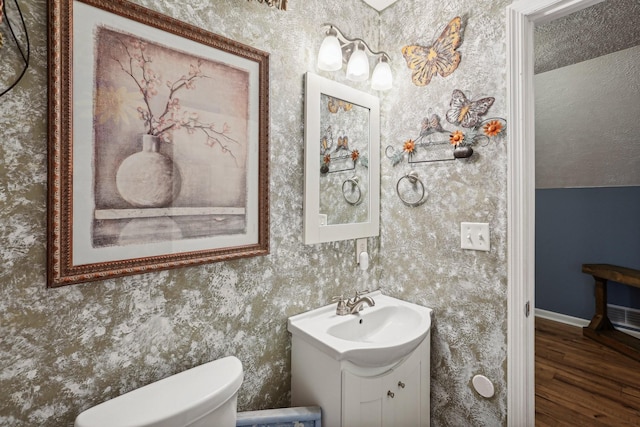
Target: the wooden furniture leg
pixel 600 329
pixel 600 321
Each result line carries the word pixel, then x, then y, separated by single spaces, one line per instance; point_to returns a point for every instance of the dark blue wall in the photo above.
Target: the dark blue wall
pixel 578 226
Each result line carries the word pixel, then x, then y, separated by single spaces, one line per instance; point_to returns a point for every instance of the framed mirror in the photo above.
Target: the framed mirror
pixel 342 162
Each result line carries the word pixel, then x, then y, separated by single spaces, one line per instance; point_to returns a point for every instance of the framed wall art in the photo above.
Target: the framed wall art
pixel 158 143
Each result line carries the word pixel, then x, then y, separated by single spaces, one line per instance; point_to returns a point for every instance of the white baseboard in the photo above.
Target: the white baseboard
pixel 562 318
pixel 575 321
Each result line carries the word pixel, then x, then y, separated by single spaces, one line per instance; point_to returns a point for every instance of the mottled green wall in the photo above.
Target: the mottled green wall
pixel 420 247
pixel 66 349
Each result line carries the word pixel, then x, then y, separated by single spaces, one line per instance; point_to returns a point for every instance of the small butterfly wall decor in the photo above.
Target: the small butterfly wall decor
pixel 431 125
pixel 278 4
pixel 343 143
pixel 333 105
pixel 326 141
pixel 441 57
pixel 466 113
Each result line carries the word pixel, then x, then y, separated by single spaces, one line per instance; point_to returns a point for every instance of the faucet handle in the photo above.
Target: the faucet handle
pixel 342 308
pixel 362 292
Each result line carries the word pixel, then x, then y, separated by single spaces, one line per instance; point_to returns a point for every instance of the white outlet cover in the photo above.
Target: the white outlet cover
pixel 361 246
pixel 475 236
pixel 483 386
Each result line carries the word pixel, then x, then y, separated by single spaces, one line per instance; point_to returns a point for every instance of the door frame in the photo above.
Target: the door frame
pixel 522 16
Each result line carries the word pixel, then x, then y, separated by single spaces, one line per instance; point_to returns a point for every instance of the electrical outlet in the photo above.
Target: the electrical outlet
pixel 475 236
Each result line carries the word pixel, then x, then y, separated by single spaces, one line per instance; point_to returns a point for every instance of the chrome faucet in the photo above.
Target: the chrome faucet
pixel 358 304
pixel 353 305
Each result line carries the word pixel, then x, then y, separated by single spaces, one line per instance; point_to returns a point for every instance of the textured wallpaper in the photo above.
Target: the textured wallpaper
pixel 64 350
pixel 420 247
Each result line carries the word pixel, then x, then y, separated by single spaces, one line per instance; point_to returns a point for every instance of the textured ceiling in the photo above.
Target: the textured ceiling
pixel 598 30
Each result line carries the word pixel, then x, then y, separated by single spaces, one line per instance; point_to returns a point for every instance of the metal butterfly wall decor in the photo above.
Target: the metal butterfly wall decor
pixel 333 105
pixel 441 57
pixel 467 113
pixel 431 125
pixel 278 4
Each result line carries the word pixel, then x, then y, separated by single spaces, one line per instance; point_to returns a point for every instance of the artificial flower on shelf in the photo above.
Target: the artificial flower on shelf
pixel 456 138
pixel 171 117
pixel 324 168
pixel 461 150
pixel 492 128
pixel 409 146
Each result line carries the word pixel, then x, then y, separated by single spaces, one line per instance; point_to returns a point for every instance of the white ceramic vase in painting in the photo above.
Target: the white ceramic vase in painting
pixel 148 178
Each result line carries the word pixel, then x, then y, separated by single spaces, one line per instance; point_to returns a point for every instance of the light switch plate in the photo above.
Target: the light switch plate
pixel 475 236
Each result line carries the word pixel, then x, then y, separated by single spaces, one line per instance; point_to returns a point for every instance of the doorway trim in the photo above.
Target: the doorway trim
pixel 522 16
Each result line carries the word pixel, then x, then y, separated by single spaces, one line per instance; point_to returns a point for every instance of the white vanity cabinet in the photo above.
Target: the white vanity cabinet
pixel 354 396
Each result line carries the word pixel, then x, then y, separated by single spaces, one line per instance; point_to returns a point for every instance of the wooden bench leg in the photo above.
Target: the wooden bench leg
pixel 600 329
pixel 600 321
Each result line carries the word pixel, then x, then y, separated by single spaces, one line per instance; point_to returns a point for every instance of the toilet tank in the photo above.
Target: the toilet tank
pixel 202 396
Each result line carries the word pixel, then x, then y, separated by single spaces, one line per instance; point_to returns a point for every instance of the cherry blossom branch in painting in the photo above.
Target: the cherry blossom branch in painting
pixel 173 117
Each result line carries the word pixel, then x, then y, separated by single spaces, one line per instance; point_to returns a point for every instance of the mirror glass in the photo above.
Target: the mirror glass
pixel 342 169
pixel 344 160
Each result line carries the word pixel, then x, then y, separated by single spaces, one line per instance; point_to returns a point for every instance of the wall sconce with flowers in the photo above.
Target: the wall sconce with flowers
pixel 336 48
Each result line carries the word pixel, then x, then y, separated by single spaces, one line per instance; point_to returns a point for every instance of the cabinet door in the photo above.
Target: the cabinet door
pixel 362 401
pixel 398 398
pixel 389 400
pixel 403 394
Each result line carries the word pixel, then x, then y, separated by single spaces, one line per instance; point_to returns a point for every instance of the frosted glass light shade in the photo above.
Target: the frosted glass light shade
pixel 358 66
pixel 382 79
pixel 330 54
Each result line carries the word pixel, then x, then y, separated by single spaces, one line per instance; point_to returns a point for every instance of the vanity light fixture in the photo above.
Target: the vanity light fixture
pixel 358 65
pixel 382 79
pixel 337 48
pixel 330 54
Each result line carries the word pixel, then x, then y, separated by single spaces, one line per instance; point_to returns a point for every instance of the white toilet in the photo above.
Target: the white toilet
pixel 206 395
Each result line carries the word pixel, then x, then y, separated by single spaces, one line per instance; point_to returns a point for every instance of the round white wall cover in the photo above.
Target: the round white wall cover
pixel 483 386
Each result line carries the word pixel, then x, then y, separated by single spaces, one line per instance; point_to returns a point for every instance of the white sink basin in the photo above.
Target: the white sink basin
pixel 376 336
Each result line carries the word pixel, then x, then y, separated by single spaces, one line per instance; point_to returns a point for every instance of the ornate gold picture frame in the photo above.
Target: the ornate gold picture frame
pixel 158 143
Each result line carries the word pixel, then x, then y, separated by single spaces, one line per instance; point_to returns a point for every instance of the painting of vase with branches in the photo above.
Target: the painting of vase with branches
pixel 170 143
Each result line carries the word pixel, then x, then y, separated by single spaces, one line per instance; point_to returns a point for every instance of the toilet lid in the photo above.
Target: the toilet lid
pixel 173 401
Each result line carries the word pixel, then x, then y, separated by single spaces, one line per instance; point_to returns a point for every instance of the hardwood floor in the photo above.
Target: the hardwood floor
pixel 579 382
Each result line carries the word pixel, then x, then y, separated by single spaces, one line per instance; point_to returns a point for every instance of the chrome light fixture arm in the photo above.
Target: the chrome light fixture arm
pixel 348 45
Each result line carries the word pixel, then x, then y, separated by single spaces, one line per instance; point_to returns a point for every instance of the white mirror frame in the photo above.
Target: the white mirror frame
pixel 313 231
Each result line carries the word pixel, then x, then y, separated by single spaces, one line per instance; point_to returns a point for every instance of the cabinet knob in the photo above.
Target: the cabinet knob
pixel 390 394
pixel 400 384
